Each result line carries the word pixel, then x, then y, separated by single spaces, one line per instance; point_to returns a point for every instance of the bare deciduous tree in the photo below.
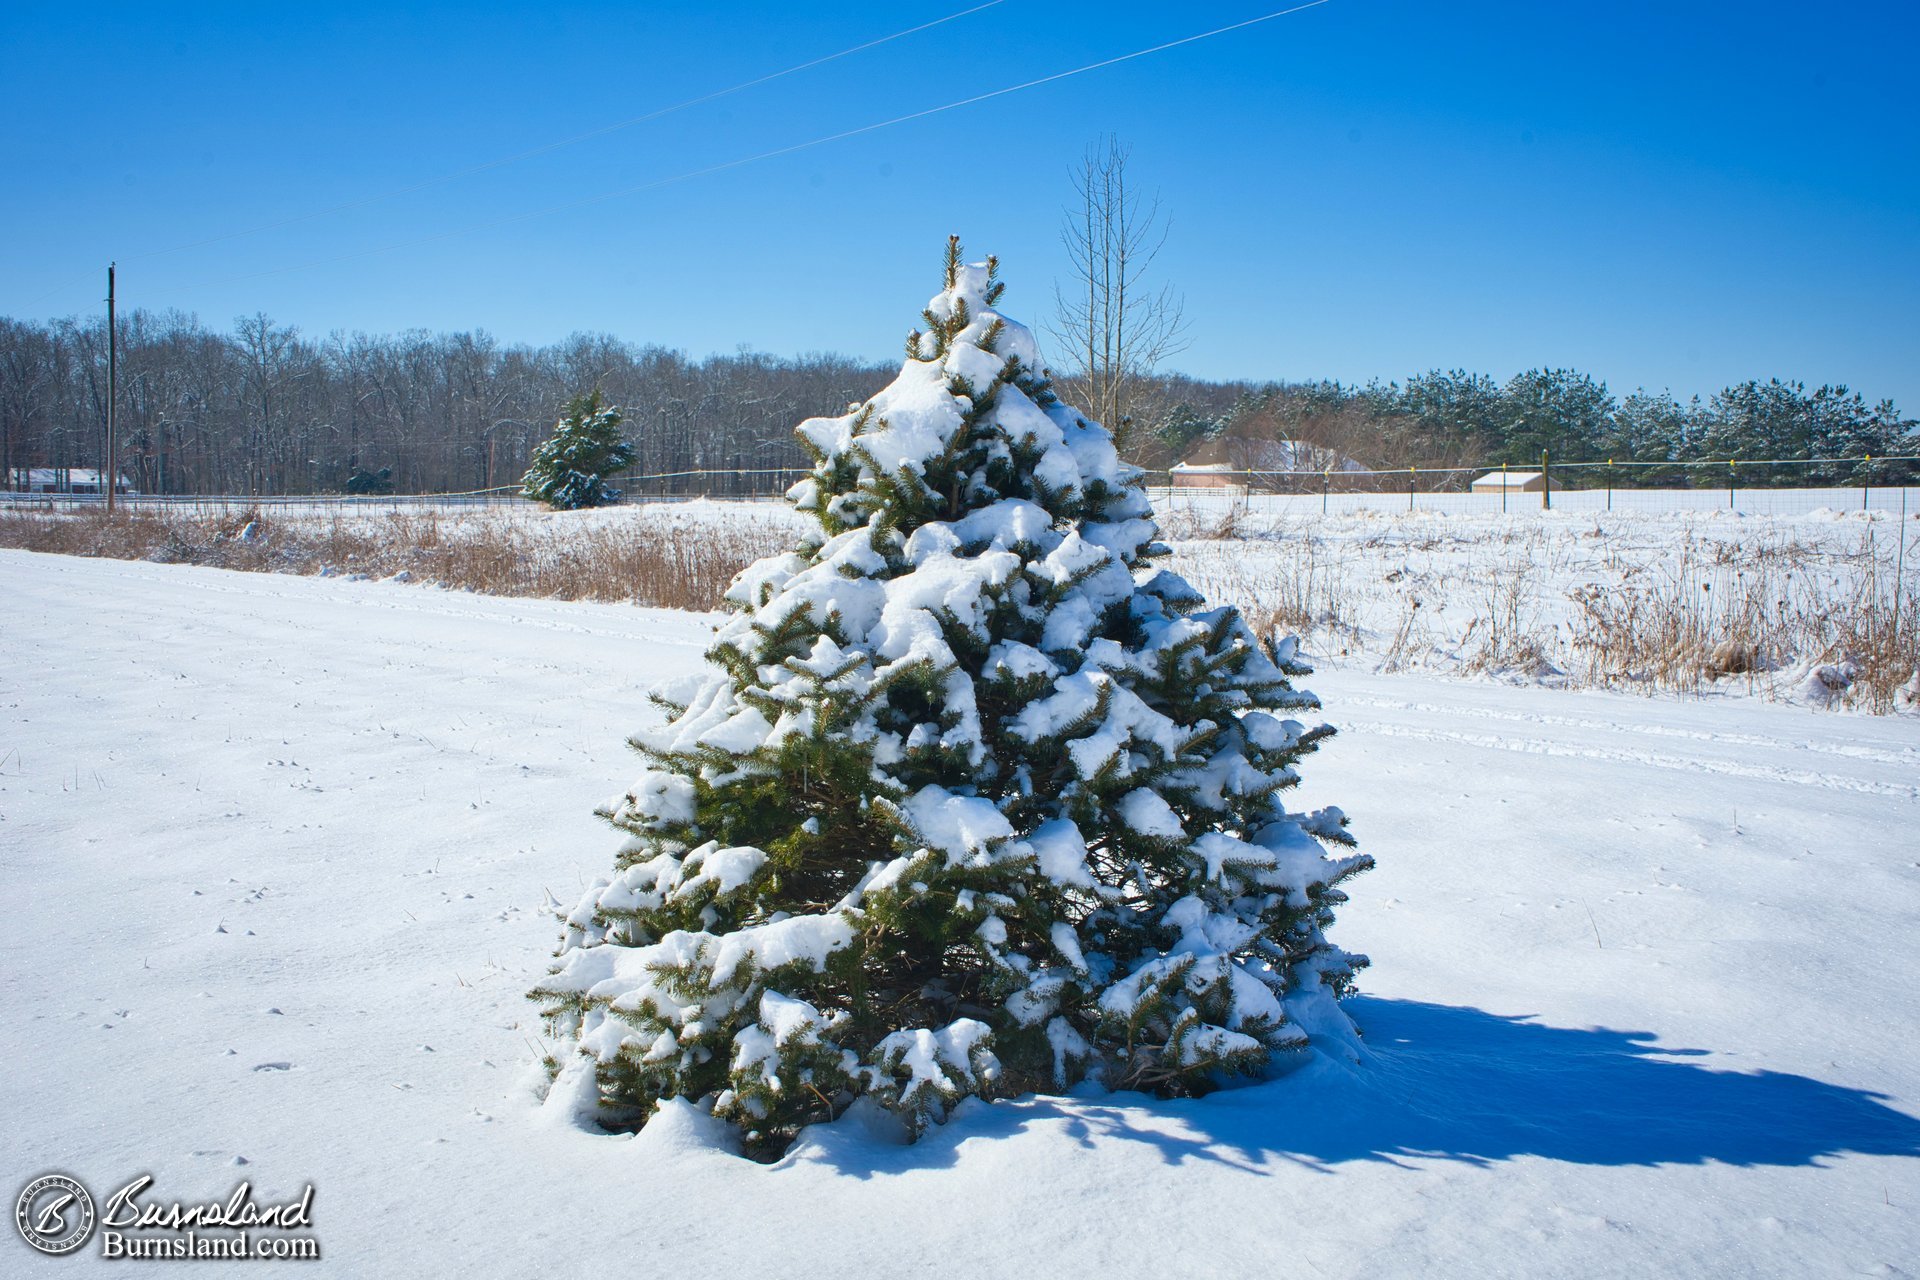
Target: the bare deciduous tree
pixel 1113 325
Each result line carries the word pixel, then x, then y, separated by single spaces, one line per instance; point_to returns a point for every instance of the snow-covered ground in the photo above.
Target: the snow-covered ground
pixel 272 858
pixel 1582 597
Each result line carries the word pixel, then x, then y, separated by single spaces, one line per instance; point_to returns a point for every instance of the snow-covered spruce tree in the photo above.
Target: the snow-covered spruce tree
pixel 570 469
pixel 976 801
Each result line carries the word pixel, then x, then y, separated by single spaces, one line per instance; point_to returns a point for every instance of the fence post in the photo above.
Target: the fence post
pixel 1731 467
pixel 1609 484
pixel 1326 487
pixel 1866 484
pixel 1503 488
pixel 1413 481
pixel 1546 483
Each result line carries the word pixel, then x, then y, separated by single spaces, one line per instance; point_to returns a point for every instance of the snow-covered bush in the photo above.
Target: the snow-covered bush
pixel 569 469
pixel 977 800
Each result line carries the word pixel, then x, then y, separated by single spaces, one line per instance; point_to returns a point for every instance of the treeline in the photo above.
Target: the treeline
pixel 266 409
pixel 1468 420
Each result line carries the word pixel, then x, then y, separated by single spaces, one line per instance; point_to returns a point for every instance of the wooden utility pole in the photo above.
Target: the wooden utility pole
pixel 110 474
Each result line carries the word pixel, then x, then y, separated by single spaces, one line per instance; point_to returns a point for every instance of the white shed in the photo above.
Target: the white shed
pixel 1510 482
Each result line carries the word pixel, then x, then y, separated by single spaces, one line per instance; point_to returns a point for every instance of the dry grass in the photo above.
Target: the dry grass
pixel 1300 594
pixel 1506 634
pixel 633 561
pixel 1705 617
pixel 1828 615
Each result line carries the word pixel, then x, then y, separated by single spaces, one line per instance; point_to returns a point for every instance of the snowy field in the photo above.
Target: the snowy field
pixel 1803 604
pixel 1624 600
pixel 273 853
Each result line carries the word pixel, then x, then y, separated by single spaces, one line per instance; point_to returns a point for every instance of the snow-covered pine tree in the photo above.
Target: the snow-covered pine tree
pixel 976 801
pixel 570 468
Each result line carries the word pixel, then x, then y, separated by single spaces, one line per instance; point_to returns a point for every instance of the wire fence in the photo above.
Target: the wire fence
pixel 1782 486
pixel 1779 486
pixel 1772 486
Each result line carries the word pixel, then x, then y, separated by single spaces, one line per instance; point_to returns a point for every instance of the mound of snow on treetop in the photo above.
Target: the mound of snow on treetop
pixel 273 859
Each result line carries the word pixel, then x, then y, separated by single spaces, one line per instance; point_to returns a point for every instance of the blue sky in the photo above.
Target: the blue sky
pixel 1661 194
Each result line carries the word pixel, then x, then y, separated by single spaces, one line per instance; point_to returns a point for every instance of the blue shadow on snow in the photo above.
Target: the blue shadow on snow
pixel 1450 1083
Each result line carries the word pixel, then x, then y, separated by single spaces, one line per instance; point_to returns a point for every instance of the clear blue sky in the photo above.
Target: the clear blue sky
pixel 1662 194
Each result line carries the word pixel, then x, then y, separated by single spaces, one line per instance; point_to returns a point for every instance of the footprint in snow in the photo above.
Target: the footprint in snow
pixel 273 1066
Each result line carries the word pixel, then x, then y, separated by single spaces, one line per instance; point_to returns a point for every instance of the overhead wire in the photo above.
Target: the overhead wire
pixel 777 151
pixel 544 149
pixel 756 158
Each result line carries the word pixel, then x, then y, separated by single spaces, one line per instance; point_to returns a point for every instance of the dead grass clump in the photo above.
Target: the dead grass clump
pixel 1505 633
pixel 1299 592
pixel 1400 650
pixel 1733 658
pixel 1226 527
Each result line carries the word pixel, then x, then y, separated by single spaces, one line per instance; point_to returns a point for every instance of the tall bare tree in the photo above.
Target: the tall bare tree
pixel 1113 324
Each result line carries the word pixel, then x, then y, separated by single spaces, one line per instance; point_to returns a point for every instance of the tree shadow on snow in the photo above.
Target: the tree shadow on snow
pixel 1448 1083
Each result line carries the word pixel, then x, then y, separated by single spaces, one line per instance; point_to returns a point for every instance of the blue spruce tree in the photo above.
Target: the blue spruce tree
pixel 977 800
pixel 570 468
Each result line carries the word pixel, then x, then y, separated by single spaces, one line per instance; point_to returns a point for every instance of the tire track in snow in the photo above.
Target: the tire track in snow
pixel 1652 759
pixel 1907 756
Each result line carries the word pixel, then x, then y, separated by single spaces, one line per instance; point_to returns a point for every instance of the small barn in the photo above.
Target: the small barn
pixel 1510 482
pixel 1206 475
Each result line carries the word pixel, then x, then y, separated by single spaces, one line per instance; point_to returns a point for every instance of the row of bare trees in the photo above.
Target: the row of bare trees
pixel 265 409
pixel 262 409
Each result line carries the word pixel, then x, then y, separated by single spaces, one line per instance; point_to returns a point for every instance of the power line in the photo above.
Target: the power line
pixel 579 137
pixel 544 149
pixel 780 151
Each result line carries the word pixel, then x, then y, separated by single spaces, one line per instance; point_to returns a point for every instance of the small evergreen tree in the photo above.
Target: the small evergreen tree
pixel 977 799
pixel 364 483
pixel 569 470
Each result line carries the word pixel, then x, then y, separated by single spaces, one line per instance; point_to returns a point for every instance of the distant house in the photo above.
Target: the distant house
pixel 1225 462
pixel 81 480
pixel 1510 482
